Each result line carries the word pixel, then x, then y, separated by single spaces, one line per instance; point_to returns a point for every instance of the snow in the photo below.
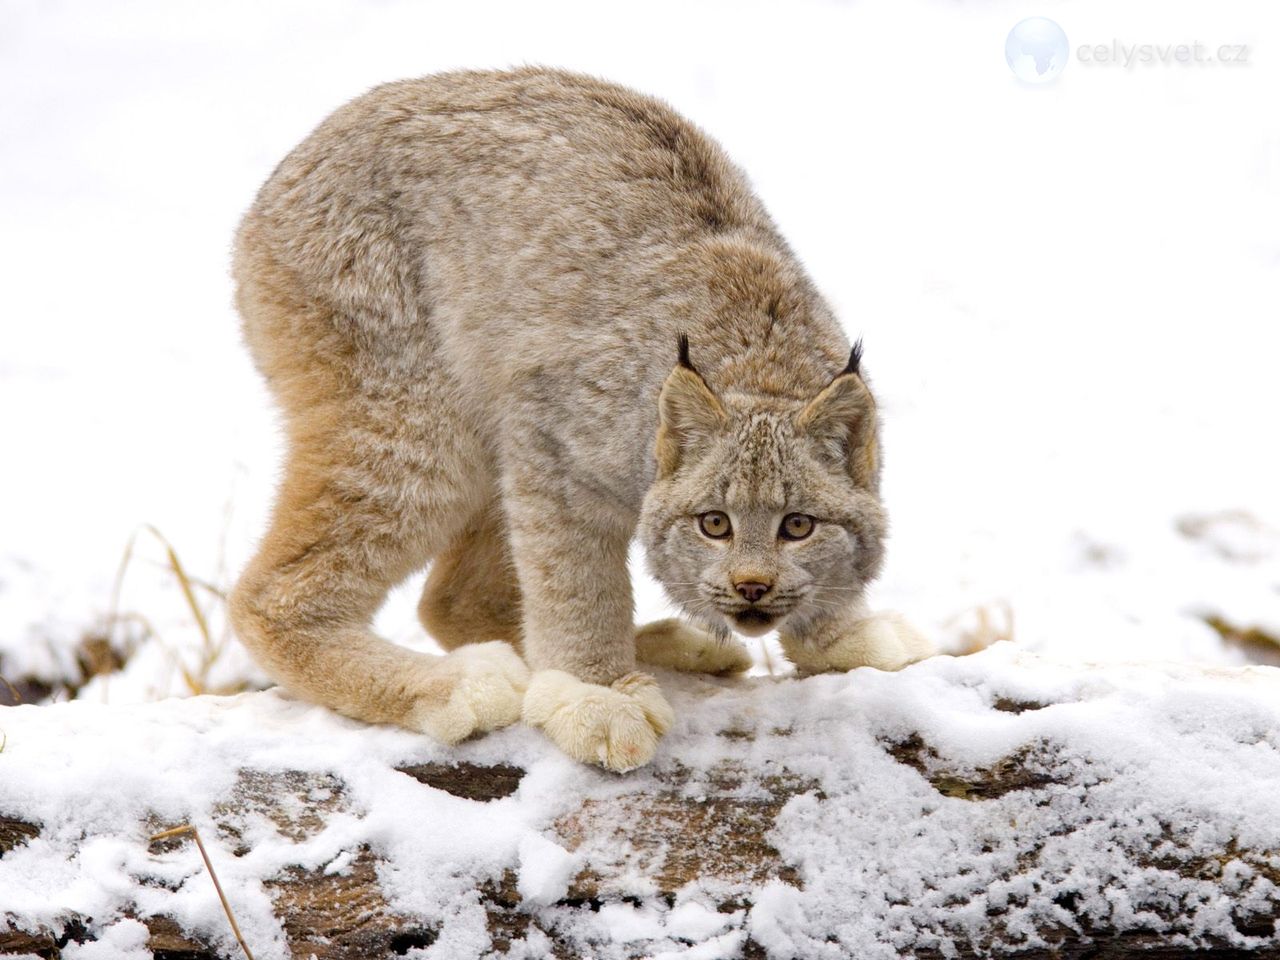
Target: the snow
pixel 1067 297
pixel 777 907
pixel 1141 765
pixel 545 871
pixel 694 921
pixel 724 947
pixel 623 923
pixel 123 940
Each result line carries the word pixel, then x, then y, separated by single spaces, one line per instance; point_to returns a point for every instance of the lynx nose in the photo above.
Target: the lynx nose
pixel 752 590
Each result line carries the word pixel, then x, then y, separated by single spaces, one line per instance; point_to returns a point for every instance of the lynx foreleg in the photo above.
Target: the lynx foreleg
pixel 585 693
pixel 854 637
pixel 676 645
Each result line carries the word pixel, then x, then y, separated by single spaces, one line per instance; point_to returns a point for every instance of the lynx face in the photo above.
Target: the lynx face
pixel 763 511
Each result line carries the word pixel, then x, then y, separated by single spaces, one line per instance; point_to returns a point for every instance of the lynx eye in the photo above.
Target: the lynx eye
pixel 796 526
pixel 715 524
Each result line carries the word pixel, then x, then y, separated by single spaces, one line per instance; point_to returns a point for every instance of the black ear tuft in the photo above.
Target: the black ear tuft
pixel 855 358
pixel 682 344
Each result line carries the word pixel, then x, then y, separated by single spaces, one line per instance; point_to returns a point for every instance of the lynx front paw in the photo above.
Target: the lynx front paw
pixel 885 641
pixel 675 645
pixel 472 690
pixel 616 726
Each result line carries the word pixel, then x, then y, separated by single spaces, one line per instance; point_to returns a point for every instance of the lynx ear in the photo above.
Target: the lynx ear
pixel 843 419
pixel 688 412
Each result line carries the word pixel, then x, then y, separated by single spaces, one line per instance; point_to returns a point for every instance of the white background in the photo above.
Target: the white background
pixel 1068 294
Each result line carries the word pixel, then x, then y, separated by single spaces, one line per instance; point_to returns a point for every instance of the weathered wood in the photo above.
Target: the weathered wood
pixel 26 943
pixel 468 780
pixel 717 834
pixel 14 832
pixel 332 916
pixel 717 830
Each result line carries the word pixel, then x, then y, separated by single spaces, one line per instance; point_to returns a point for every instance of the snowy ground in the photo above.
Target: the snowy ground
pixel 1154 809
pixel 1067 294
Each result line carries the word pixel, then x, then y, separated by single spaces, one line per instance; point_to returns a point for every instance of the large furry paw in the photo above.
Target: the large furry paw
pixel 884 640
pixel 472 690
pixel 616 726
pixel 675 645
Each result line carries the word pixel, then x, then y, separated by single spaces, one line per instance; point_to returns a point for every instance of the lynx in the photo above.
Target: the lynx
pixel 512 319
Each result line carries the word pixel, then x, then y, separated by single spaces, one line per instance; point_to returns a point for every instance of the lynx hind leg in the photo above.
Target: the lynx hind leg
pixel 304 606
pixel 676 645
pixel 472 594
pixel 346 527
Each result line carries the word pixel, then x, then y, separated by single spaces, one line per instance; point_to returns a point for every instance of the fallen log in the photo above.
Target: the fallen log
pixel 751 837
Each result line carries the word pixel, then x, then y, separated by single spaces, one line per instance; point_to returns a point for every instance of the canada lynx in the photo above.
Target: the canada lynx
pixel 512 319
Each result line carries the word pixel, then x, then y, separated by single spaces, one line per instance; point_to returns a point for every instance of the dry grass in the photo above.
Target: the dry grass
pixel 191 589
pixel 982 625
pixel 185 830
pixel 14 693
pixel 16 697
pixel 1258 645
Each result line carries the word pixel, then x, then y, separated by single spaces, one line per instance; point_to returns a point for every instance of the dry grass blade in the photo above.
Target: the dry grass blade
pixel 990 623
pixel 188 585
pixel 14 692
pixel 213 590
pixel 184 581
pixel 113 611
pixel 1256 643
pixel 213 875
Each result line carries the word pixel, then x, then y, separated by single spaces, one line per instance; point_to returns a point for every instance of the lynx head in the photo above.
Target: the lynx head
pixel 764 510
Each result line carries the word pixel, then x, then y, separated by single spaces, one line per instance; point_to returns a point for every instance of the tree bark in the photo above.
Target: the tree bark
pixel 720 835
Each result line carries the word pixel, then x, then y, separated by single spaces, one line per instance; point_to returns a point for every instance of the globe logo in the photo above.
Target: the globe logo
pixel 1036 49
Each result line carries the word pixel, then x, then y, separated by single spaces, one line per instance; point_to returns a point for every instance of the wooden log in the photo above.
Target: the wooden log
pixel 774 793
pixel 719 833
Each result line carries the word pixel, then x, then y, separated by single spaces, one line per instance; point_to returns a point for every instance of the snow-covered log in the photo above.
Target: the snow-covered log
pixel 990 804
